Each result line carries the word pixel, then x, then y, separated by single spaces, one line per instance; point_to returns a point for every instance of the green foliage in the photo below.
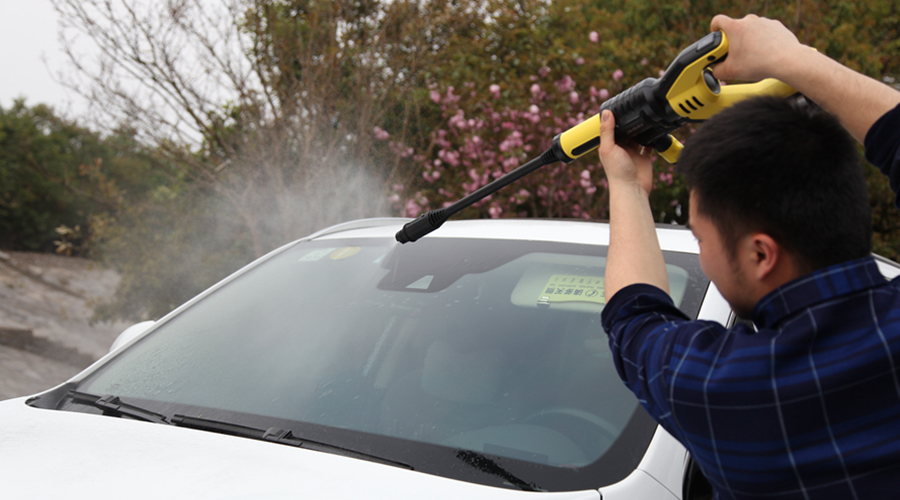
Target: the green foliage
pixel 42 185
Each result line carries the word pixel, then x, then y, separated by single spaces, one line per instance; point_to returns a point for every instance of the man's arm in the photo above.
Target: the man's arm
pixel 762 48
pixel 634 255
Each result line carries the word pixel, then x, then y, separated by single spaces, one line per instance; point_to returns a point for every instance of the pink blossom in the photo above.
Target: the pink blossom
pixel 594 36
pixel 544 71
pixel 411 209
pixel 644 62
pixel 604 94
pixel 585 181
pixel 427 176
pixel 618 74
pixel 535 89
pixel 573 97
pixel 511 163
pixel 495 211
pixel 579 61
pixel 495 89
pixel 435 96
pixel 380 133
pixel 566 84
pixel 533 109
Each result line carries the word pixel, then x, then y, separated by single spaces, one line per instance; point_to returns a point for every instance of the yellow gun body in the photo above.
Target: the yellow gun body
pixel 649 111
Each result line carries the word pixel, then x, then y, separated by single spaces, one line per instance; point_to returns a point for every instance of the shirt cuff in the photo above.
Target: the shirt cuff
pixel 614 308
pixel 882 144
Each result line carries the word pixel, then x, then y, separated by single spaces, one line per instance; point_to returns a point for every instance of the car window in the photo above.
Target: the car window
pixel 416 352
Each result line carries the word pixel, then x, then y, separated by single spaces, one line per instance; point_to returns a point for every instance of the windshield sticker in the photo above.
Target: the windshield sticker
pixel 572 288
pixel 316 254
pixel 343 253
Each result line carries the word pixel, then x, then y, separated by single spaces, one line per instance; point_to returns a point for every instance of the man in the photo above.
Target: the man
pixel 808 406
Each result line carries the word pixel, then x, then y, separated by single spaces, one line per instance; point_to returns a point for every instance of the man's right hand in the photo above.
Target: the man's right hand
pixel 761 48
pixel 757 47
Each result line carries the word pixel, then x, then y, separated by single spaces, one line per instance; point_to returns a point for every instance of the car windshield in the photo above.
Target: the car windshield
pixel 460 357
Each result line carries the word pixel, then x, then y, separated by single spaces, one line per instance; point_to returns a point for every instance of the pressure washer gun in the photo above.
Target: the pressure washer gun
pixel 648 113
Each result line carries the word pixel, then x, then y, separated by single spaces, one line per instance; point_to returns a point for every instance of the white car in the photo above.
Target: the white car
pixel 469 364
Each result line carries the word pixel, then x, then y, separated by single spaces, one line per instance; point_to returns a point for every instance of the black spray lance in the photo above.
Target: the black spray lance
pixel 648 112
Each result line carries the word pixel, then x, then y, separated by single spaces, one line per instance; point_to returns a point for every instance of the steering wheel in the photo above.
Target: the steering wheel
pixel 577 425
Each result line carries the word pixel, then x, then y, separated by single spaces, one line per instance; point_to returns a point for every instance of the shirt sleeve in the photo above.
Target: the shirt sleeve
pixel 883 148
pixel 647 335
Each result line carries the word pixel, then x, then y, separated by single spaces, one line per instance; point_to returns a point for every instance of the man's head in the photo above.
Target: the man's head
pixel 790 173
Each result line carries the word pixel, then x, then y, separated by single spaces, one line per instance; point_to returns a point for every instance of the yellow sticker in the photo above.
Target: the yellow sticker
pixel 572 288
pixel 343 253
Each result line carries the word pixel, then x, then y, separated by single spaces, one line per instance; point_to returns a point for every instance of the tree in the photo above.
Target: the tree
pixel 504 85
pixel 56 173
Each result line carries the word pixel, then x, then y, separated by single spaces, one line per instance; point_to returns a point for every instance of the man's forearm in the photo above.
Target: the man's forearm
pixel 857 100
pixel 634 255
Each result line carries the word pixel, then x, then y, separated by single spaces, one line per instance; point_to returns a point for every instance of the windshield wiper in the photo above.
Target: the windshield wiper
pixel 488 466
pixel 112 405
pixel 276 435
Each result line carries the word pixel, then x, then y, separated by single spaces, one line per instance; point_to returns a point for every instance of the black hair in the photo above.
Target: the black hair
pixel 785 169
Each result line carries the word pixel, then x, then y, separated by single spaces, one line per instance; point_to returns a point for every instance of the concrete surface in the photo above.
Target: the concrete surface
pixel 46 302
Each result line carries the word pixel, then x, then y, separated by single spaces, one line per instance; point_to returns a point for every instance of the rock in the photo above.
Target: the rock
pixel 46 302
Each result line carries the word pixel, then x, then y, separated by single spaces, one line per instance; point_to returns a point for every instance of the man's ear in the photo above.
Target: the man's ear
pixel 766 255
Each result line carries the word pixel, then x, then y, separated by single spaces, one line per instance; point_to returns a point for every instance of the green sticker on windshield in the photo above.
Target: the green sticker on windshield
pixel 573 288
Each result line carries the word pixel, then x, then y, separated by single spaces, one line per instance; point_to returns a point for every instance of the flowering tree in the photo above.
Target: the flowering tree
pixel 533 68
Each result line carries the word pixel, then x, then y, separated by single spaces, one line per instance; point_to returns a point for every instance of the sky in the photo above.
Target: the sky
pixel 30 56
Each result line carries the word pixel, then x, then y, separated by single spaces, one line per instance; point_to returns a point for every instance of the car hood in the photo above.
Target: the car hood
pixel 50 454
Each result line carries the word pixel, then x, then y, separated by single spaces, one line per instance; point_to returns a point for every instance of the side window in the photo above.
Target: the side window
pixel 695 485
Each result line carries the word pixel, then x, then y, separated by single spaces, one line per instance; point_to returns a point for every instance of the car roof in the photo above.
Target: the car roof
pixel 671 237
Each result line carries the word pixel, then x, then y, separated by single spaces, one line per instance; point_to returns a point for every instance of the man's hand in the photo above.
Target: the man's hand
pixel 634 255
pixel 761 48
pixel 631 165
pixel 758 48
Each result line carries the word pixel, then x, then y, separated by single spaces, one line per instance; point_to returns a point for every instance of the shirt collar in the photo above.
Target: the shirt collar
pixel 818 286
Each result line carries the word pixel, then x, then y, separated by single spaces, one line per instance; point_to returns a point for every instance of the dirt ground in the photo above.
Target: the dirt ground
pixel 46 302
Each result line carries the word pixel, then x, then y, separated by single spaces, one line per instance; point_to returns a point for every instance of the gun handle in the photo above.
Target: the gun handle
pixel 731 94
pixel 669 148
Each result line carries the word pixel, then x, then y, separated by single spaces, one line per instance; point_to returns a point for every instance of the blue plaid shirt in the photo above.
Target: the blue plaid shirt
pixel 806 407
